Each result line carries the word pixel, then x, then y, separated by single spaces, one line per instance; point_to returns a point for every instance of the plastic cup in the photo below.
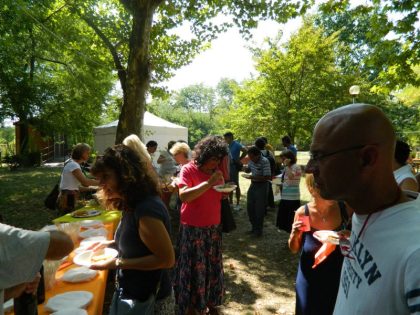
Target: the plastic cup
pixel 306 227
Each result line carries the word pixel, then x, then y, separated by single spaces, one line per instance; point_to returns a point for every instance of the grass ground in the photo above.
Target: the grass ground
pixel 259 272
pixel 22 194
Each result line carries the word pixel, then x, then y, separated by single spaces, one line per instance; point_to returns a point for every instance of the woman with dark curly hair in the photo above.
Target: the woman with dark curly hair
pixel 142 238
pixel 198 282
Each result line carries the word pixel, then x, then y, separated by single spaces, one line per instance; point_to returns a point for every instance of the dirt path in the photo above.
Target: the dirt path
pixel 259 272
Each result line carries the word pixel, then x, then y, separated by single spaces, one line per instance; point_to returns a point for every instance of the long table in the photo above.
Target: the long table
pixel 98 285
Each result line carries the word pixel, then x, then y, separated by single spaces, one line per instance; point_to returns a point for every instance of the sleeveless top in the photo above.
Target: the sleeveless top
pixel 317 288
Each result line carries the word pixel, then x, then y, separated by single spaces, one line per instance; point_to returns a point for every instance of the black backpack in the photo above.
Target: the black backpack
pixel 270 159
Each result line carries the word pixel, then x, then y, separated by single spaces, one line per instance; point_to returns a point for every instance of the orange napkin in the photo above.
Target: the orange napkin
pixel 323 253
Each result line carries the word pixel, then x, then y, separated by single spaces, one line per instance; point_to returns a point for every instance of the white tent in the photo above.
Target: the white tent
pixel 155 128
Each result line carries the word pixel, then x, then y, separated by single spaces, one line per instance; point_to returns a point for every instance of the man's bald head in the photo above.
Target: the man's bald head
pixel 357 124
pixel 353 149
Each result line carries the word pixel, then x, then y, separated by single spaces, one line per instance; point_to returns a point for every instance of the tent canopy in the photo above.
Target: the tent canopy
pixel 155 128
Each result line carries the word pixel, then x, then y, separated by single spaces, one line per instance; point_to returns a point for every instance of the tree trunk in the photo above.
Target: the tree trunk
pixel 138 72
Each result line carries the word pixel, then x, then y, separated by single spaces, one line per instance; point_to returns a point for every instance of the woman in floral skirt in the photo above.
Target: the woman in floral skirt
pixel 198 282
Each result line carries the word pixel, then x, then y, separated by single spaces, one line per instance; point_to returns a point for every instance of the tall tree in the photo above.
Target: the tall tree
pixel 152 51
pixel 381 39
pixel 51 74
pixel 297 82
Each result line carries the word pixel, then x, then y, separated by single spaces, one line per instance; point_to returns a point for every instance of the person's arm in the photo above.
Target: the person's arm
pixel 60 245
pixel 290 171
pixel 29 288
pixel 266 172
pixel 161 159
pixel 244 152
pixel 153 233
pixel 295 238
pixel 409 184
pixel 14 292
pixel 187 194
pixel 83 179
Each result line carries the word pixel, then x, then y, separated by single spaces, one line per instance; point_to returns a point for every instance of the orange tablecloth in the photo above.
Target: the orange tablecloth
pixel 97 286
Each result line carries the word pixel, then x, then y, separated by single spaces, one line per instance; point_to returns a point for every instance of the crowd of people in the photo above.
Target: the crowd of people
pixel 362 189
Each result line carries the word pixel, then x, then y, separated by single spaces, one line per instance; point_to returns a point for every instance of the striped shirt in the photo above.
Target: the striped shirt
pixel 260 168
pixel 291 189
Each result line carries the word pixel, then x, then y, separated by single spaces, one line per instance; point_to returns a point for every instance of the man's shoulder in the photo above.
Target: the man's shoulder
pixel 237 144
pixel 264 160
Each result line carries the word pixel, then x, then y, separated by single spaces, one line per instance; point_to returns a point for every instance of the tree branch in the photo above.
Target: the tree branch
pixel 51 60
pixel 122 73
pixel 56 11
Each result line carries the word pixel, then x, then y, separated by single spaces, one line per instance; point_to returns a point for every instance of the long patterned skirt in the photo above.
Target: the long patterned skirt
pixel 198 277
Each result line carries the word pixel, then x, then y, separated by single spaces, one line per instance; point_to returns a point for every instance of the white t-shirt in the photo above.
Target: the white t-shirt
pixel 402 173
pixel 21 255
pixel 384 276
pixel 68 180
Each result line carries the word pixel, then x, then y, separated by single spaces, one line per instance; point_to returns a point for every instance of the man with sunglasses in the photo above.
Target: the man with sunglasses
pixel 351 160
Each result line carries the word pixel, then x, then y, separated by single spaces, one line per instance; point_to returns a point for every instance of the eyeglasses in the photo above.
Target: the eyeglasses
pixel 316 157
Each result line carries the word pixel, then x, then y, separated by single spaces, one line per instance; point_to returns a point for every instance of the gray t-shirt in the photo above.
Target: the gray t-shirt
pixel 21 255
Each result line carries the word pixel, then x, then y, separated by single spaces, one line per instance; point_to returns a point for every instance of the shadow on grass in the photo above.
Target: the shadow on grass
pixel 22 194
pixel 258 268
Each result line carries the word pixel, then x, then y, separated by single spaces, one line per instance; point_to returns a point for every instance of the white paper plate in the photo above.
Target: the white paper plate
pixel 85 258
pixel 89 240
pixel 225 188
pixel 71 299
pixel 71 311
pixel 323 236
pixel 79 274
pixel 93 232
pixel 8 305
pixel 87 224
pixel 276 180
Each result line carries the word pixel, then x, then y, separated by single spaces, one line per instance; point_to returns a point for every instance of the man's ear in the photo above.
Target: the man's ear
pixel 369 156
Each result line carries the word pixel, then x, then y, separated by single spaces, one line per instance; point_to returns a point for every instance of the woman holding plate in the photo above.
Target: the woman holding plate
pixel 317 281
pixel 198 282
pixel 142 238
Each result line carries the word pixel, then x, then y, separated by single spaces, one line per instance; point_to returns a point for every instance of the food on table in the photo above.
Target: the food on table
pixel 85 213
